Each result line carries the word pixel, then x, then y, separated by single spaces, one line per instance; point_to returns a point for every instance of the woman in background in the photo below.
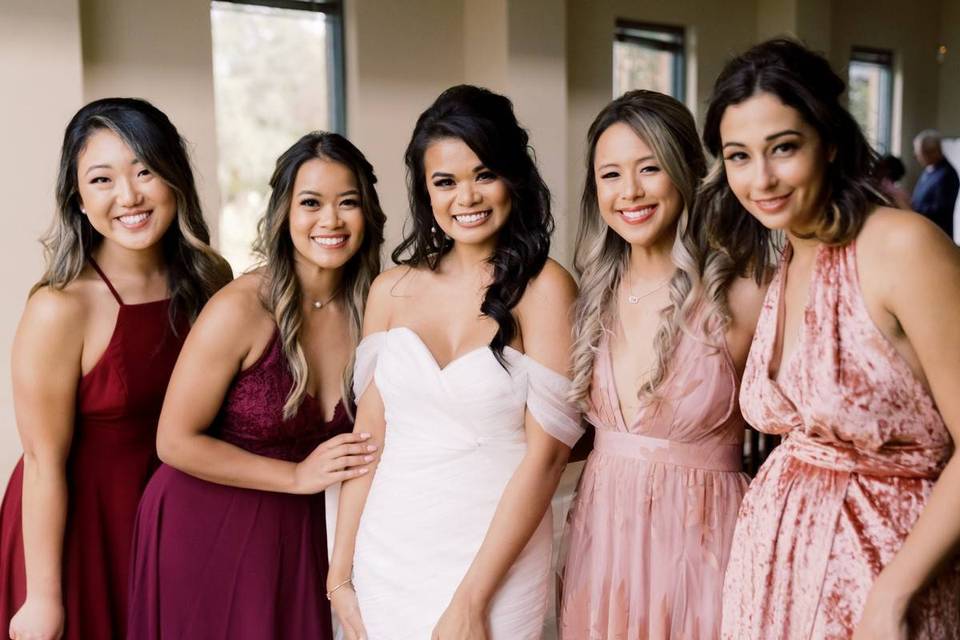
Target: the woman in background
pixel 128 269
pixel 663 326
pixel 850 527
pixel 231 533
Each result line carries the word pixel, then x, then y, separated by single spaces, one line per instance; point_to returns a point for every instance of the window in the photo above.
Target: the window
pixel 648 56
pixel 277 74
pixel 871 95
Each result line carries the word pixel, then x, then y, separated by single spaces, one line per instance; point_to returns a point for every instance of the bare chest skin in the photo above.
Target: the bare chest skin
pixel 444 311
pixel 326 344
pixel 790 313
pixel 632 349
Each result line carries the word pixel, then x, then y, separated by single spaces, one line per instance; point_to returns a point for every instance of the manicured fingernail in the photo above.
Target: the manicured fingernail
pixel 364 435
pixel 364 470
pixel 371 447
pixel 367 458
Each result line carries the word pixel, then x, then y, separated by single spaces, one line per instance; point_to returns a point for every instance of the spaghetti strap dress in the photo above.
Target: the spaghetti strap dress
pixel 863 445
pixel 218 562
pixel 112 456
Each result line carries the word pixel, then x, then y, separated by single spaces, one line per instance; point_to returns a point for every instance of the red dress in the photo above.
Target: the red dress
pixel 112 456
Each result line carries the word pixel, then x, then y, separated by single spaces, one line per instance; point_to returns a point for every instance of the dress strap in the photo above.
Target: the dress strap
pixel 103 276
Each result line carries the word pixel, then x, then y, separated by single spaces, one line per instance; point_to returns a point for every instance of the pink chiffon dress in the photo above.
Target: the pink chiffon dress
pixel 863 445
pixel 650 529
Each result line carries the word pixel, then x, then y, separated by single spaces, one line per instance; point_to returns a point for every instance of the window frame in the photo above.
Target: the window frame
pixel 333 9
pixel 674 42
pixel 885 59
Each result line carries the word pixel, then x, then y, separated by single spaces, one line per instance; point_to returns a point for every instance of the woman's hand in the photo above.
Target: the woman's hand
pixel 336 460
pixel 38 619
pixel 461 622
pixel 347 609
pixel 884 614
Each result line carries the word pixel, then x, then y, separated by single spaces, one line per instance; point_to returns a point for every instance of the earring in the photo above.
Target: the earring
pixel 433 229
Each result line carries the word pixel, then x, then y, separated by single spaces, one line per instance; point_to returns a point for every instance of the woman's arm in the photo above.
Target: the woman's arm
pixel 920 269
pixel 544 317
pixel 226 337
pixel 353 494
pixel 46 370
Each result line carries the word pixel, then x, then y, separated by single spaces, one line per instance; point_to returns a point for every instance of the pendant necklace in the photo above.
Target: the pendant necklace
pixel 320 304
pixel 633 298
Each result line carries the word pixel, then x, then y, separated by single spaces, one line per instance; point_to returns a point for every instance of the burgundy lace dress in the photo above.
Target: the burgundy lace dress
pixel 212 561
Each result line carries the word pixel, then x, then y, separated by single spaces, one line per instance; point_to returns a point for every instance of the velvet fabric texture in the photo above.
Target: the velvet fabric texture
pixel 112 456
pixel 212 561
pixel 649 532
pixel 863 446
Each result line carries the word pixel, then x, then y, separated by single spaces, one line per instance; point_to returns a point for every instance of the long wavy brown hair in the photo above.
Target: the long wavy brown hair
pixel 280 293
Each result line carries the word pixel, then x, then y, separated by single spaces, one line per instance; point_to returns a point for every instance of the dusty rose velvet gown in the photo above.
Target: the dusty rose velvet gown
pixel 863 446
pixel 649 533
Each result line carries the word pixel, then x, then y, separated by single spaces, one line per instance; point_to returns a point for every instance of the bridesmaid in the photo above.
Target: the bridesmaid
pixel 851 526
pixel 663 325
pixel 128 268
pixel 230 540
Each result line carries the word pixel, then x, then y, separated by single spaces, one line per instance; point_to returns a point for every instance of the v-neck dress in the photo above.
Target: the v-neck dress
pixel 649 532
pixel 863 445
pixel 218 562
pixel 112 456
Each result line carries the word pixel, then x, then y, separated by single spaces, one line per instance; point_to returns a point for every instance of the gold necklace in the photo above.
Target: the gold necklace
pixel 320 304
pixel 632 298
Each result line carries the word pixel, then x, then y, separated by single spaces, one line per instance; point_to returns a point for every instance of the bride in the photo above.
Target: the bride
pixel 462 376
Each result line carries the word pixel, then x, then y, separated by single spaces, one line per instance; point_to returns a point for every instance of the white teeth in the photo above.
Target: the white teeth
pixel 330 241
pixel 133 219
pixel 472 217
pixel 639 213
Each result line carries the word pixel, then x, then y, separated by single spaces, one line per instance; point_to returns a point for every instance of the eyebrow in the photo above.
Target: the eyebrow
pixel 107 166
pixel 442 174
pixel 309 192
pixel 769 138
pixel 614 164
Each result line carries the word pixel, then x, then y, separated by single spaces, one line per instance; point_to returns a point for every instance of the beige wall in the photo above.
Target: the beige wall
pixel 40 73
pixel 949 108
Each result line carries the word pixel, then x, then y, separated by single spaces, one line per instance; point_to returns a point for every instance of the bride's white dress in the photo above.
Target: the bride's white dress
pixel 454 437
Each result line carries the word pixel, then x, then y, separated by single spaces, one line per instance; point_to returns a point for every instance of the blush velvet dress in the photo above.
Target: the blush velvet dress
pixel 863 445
pixel 649 532
pixel 217 562
pixel 112 456
pixel 454 438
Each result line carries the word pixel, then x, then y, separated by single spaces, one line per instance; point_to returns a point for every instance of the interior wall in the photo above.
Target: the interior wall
pixel 40 67
pixel 913 36
pixel 162 52
pixel 949 108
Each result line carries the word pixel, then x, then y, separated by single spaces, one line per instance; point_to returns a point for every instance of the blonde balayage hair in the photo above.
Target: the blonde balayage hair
pixel 601 255
pixel 280 293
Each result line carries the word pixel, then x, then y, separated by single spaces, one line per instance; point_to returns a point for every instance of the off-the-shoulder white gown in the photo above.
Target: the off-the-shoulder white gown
pixel 454 438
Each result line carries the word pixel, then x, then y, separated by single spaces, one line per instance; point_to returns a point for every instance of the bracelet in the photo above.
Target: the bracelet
pixel 334 590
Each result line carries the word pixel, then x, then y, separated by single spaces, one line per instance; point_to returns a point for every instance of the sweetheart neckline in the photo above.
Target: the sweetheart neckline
pixel 462 356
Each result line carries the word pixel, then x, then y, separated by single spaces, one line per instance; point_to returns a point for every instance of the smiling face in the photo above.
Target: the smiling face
pixel 123 200
pixel 775 162
pixel 326 218
pixel 470 203
pixel 636 197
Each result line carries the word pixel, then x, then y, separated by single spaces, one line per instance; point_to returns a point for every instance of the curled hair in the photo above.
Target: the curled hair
pixel 485 122
pixel 194 270
pixel 602 255
pixel 280 293
pixel 803 80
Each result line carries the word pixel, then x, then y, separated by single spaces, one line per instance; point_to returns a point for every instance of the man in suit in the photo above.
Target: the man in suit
pixel 935 195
